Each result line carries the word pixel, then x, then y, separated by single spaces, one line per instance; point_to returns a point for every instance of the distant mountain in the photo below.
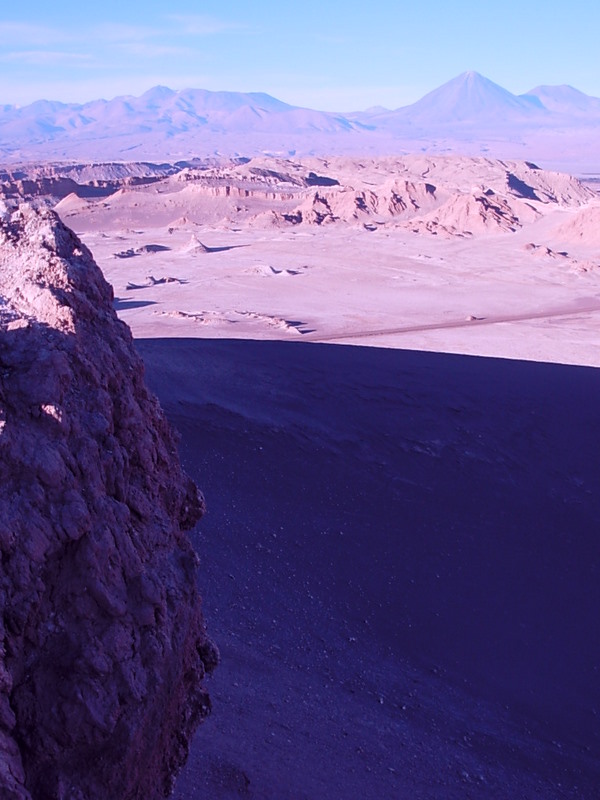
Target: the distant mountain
pixel 156 118
pixel 564 100
pixel 556 125
pixel 469 98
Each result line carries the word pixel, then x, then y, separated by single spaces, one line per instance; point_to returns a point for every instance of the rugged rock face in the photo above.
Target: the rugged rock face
pixel 102 642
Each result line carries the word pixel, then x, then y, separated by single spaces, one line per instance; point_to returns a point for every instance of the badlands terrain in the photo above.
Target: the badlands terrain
pixel 441 253
pixel 399 559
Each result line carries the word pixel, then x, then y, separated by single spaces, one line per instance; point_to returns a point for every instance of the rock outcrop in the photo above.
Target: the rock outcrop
pixel 103 647
pixel 453 196
pixel 582 227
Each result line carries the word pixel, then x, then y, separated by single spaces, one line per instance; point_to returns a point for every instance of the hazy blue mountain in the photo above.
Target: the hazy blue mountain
pixel 469 98
pixel 565 100
pixel 469 113
pixel 162 109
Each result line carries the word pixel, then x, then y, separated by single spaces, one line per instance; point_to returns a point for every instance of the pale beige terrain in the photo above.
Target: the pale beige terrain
pixel 446 254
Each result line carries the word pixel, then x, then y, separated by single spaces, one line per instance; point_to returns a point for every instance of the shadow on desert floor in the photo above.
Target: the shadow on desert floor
pixel 120 305
pixel 400 563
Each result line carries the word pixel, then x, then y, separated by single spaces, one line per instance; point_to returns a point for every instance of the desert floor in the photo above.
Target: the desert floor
pixel 400 566
pixel 399 561
pixel 489 296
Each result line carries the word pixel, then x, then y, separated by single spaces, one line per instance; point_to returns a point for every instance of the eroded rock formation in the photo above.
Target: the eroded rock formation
pixel 103 647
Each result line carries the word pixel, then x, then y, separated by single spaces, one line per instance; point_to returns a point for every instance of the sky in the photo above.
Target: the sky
pixel 332 56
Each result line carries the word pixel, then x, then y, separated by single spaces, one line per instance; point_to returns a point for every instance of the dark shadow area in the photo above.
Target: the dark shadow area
pixel 313 179
pixel 224 248
pixel 90 192
pixel 520 188
pixel 120 305
pixel 400 557
pixel 152 281
pixel 130 253
pixel 300 326
pixel 153 248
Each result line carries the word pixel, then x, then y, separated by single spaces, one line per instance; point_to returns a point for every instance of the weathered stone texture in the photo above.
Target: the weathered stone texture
pixel 102 642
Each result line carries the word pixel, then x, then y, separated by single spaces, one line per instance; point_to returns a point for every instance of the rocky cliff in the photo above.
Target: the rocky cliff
pixel 103 648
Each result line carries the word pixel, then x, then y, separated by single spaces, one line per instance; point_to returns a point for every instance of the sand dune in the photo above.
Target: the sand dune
pixel 582 228
pixel 72 202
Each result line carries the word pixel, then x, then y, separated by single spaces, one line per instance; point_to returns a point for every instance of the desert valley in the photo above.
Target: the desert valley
pixel 382 362
pixel 426 253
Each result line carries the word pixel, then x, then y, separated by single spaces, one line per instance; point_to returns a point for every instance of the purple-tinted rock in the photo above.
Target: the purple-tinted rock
pixel 103 648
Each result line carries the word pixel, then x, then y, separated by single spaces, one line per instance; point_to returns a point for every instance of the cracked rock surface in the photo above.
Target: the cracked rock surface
pixel 103 647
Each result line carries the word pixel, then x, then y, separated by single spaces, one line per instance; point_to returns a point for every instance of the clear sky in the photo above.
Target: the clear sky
pixel 335 56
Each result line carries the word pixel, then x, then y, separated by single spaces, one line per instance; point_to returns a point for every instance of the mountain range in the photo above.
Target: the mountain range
pixel 471 114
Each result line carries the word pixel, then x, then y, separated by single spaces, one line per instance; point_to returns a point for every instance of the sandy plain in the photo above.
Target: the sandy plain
pixel 399 559
pixel 446 277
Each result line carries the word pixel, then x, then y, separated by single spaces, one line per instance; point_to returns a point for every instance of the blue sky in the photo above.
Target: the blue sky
pixel 338 56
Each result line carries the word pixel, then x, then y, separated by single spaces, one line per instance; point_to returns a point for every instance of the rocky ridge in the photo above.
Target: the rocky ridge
pixel 103 647
pixel 57 180
pixel 447 195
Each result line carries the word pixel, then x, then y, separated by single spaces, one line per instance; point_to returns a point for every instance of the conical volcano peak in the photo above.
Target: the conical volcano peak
pixel 472 75
pixel 468 96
